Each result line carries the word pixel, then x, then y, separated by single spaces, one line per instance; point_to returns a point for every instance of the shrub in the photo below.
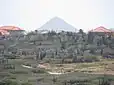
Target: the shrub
pixel 46 60
pixel 10 56
pixel 54 79
pixel 9 66
pixel 105 82
pixel 67 61
pixel 38 71
pixel 8 82
pixel 26 83
pixel 27 64
pixel 34 66
pixel 19 72
pixel 4 74
pixel 60 65
pixel 76 82
pixel 12 77
pixel 91 58
pixel 31 58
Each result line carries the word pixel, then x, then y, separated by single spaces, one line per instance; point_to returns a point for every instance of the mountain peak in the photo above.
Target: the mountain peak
pixel 58 19
pixel 57 24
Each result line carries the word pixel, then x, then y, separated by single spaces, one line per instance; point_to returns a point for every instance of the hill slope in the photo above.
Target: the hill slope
pixel 57 24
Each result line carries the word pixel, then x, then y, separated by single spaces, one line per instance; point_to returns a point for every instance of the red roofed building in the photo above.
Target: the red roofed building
pixel 9 28
pixel 101 29
pixel 12 30
pixel 4 32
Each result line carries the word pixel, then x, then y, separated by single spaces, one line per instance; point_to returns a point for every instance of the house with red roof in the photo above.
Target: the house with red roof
pixel 12 30
pixel 4 32
pixel 101 30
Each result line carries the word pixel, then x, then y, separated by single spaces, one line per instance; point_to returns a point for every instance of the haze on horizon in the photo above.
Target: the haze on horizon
pixel 32 14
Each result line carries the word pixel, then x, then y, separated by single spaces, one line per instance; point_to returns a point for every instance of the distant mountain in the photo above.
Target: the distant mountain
pixel 57 24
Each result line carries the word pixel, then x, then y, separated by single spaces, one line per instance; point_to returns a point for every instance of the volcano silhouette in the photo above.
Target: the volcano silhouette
pixel 57 24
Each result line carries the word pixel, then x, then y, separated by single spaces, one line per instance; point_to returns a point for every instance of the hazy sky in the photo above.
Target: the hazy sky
pixel 32 14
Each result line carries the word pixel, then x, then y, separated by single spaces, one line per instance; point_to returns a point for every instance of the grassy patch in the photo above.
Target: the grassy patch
pixel 38 71
pixel 12 77
pixel 18 72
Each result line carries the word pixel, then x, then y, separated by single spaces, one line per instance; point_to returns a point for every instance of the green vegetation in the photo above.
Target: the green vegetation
pixel 21 74
pixel 9 82
pixel 18 72
pixel 11 56
pixel 38 71
pixel 26 83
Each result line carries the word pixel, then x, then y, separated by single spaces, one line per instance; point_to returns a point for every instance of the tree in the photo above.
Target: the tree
pixel 54 79
pixel 74 59
pixel 81 31
pixel 90 37
pixel 51 33
pixel 63 46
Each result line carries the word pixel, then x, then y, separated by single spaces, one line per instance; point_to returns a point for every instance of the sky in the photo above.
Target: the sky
pixel 32 14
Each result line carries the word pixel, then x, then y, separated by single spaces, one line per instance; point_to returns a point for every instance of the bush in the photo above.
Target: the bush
pixel 10 56
pixel 81 59
pixel 76 82
pixel 38 71
pixel 34 66
pixel 9 66
pixel 54 79
pixel 4 74
pixel 12 77
pixel 60 65
pixel 46 60
pixel 31 58
pixel 26 83
pixel 8 82
pixel 91 58
pixel 105 82
pixel 19 72
pixel 67 61
pixel 27 64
